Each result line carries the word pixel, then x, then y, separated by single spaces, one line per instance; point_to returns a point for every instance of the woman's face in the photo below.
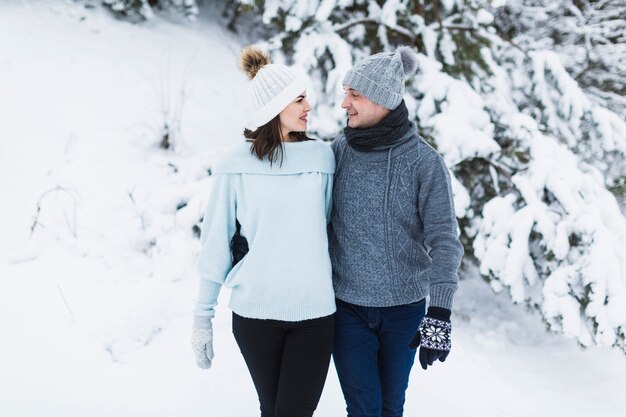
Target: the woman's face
pixel 293 118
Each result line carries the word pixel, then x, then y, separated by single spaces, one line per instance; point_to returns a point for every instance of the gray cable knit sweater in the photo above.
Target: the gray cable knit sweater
pixel 393 234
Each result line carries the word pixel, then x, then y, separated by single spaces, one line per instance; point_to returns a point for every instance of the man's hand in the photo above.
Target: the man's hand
pixel 238 245
pixel 434 336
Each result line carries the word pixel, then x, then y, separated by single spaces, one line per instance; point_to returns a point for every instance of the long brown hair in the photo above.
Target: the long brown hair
pixel 266 142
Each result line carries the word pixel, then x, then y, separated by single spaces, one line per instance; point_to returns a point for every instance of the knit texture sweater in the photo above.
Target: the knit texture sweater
pixel 393 235
pixel 283 211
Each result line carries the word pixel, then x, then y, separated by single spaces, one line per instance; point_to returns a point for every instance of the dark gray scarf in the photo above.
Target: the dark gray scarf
pixel 392 131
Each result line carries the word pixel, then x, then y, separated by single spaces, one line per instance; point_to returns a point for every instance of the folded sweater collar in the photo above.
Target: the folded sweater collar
pixel 298 158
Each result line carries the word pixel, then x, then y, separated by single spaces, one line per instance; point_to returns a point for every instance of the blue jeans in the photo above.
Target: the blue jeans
pixel 372 356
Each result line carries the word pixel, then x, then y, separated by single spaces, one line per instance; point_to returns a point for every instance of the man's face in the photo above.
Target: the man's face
pixel 362 112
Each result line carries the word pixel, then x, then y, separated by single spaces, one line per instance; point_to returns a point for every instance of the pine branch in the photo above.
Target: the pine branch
pixel 459 27
pixel 437 14
pixel 341 27
pixel 402 31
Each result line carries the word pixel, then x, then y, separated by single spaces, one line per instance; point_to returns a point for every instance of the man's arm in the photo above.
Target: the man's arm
pixel 436 210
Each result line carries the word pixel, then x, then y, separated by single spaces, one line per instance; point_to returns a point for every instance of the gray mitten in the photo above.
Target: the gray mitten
pixel 202 341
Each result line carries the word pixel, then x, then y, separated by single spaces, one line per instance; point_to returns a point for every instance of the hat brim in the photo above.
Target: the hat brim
pixel 278 103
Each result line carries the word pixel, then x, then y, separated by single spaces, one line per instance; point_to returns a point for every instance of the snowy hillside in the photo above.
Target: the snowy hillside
pixel 97 247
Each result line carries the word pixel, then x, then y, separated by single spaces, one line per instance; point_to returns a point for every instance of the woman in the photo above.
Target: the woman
pixel 278 186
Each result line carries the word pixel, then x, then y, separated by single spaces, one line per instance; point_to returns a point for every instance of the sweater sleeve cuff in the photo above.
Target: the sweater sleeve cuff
pixel 207 298
pixel 202 322
pixel 441 296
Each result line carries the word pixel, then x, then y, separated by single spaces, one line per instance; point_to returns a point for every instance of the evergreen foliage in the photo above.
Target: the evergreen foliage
pixel 588 35
pixel 142 10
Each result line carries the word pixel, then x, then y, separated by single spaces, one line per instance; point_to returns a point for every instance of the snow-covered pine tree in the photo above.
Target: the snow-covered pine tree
pixel 588 35
pixel 523 142
pixel 556 238
pixel 142 10
pixel 587 40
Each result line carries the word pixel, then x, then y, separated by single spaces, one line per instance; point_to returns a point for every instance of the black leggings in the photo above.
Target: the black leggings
pixel 288 362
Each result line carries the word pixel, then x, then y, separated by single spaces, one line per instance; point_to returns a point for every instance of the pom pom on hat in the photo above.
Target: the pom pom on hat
pixel 252 60
pixel 409 60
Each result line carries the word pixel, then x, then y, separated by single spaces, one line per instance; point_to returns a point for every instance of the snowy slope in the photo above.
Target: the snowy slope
pixel 95 306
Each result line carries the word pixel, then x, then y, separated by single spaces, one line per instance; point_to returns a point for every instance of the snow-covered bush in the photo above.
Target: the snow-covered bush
pixel 557 240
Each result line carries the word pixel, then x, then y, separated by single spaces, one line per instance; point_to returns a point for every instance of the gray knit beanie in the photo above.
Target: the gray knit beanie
pixel 380 77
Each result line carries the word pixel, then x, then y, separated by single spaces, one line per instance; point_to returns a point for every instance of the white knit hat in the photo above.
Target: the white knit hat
pixel 271 90
pixel 272 86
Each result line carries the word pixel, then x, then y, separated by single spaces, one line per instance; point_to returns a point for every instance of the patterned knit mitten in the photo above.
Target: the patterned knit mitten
pixel 434 336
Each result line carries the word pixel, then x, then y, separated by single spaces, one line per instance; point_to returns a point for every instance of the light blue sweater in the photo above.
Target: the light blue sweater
pixel 283 211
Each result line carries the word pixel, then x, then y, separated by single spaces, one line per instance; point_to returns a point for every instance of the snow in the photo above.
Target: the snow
pixel 389 11
pixel 324 10
pixel 271 10
pixel 484 17
pixel 447 48
pixel 95 306
pixel 471 134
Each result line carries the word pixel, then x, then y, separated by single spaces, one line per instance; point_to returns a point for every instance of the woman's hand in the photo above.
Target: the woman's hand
pixel 202 341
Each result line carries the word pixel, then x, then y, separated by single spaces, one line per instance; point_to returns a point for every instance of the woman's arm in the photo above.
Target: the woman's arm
pixel 215 258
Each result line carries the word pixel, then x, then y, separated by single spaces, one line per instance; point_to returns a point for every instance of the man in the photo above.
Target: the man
pixel 393 241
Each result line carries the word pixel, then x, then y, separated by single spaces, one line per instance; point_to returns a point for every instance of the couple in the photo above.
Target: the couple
pixel 341 244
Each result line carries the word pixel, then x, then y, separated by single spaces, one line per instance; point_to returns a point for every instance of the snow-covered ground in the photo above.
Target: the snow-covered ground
pixel 95 303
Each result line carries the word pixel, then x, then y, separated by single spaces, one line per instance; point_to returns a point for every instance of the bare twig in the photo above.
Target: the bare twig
pixel 172 109
pixel 35 223
pixel 71 227
pixel 67 305
pixel 138 213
